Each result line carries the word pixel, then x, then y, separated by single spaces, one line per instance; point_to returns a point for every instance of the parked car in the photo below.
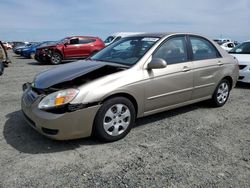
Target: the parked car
pixel 29 52
pixel 133 77
pixel 242 53
pixel 18 43
pixel 17 50
pixel 7 46
pixel 4 59
pixel 228 46
pixel 76 47
pixel 116 36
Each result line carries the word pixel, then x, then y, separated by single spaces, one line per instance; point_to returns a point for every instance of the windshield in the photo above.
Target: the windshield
pixel 109 39
pixel 63 41
pixel 243 48
pixel 126 51
pixel 46 43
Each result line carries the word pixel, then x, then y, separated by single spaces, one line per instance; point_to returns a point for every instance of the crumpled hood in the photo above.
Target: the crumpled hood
pixel 64 73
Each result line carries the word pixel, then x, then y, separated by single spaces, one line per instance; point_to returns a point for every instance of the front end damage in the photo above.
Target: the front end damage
pixel 68 121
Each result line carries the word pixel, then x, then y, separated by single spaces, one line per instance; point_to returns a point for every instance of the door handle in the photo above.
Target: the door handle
pixel 186 69
pixel 220 63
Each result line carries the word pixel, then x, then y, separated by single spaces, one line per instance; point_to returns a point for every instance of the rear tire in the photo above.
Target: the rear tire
pixel 114 119
pixel 56 58
pixel 221 93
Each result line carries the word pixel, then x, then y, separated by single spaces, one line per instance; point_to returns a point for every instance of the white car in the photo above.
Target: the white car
pixel 116 36
pixel 242 53
pixel 228 46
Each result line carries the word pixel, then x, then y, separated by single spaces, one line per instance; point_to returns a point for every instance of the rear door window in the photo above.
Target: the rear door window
pixel 203 49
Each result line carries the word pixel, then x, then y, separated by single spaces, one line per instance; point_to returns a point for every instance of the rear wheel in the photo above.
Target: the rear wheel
pixel 56 58
pixel 221 93
pixel 114 119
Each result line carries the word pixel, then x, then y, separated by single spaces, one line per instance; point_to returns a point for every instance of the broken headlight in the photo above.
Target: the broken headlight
pixel 58 98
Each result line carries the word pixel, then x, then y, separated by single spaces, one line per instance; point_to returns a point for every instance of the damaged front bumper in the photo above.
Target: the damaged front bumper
pixel 63 126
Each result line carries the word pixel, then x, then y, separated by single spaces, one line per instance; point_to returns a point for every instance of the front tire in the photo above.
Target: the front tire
pixel 114 119
pixel 56 58
pixel 221 93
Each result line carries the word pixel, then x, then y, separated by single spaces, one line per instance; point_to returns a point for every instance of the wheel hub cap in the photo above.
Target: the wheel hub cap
pixel 116 119
pixel 222 93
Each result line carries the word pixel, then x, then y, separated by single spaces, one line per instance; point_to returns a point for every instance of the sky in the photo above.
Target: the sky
pixel 39 20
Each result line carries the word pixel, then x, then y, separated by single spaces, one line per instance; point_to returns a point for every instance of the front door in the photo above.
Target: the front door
pixel 172 84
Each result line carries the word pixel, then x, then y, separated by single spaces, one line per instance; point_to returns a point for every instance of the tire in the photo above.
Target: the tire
pixel 118 114
pixel 56 58
pixel 221 93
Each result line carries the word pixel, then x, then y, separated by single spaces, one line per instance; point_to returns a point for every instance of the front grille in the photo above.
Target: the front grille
pixel 242 66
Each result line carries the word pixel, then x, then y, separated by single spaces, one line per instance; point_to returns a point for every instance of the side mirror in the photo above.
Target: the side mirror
pixel 157 63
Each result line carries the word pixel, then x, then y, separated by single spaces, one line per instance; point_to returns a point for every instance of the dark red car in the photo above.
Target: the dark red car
pixel 69 48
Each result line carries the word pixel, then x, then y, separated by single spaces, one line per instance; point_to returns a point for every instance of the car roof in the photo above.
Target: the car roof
pixel 163 34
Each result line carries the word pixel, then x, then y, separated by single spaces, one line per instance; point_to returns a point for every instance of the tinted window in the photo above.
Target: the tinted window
pixel 173 51
pixel 74 41
pixel 203 49
pixel 86 41
pixel 243 48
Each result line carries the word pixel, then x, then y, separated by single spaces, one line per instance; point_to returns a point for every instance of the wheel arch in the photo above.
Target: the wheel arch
pixel 125 95
pixel 60 52
pixel 230 79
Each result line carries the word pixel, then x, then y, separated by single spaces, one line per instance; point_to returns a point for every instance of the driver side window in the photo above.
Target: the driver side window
pixel 173 51
pixel 74 41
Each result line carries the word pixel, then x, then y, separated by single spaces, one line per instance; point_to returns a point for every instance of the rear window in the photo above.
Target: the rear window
pixel 203 49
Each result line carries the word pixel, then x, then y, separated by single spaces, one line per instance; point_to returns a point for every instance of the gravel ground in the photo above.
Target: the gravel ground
pixel 193 146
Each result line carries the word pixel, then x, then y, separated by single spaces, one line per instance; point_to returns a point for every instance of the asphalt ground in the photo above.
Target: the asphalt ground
pixel 192 146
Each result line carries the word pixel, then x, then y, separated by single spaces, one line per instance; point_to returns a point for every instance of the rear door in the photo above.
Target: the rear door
pixel 207 66
pixel 86 46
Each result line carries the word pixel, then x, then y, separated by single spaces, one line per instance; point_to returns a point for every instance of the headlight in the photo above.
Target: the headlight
pixel 58 98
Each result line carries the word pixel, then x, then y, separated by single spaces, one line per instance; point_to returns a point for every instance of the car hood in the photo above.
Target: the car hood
pixel 68 72
pixel 47 46
pixel 242 58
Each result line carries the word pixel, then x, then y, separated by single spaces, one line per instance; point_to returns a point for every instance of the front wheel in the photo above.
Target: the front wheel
pixel 221 93
pixel 114 119
pixel 56 58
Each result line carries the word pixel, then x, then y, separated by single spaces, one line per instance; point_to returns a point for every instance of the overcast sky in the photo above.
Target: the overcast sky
pixel 39 20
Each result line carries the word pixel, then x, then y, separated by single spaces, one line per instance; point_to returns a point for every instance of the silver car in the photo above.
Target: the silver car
pixel 134 77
